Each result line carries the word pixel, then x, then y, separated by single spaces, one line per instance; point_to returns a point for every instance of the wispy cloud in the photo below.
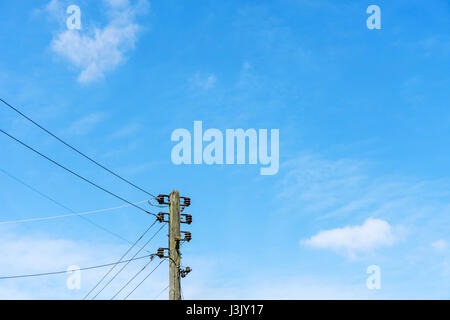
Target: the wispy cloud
pixel 99 50
pixel 127 130
pixel 86 124
pixel 203 81
pixel 344 187
pixel 336 193
pixel 373 233
pixel 440 245
pixel 55 10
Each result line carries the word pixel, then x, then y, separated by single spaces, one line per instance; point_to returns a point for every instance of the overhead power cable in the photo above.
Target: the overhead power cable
pixel 124 266
pixel 161 292
pixel 134 277
pixel 121 258
pixel 68 271
pixel 140 283
pixel 75 149
pixel 74 173
pixel 80 214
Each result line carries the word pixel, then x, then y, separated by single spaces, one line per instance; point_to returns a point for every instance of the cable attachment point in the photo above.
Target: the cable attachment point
pixel 186 201
pixel 160 253
pixel 187 236
pixel 185 272
pixel 188 218
pixel 160 217
pixel 160 198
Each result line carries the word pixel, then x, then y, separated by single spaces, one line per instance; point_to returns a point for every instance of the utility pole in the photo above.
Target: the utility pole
pixel 174 246
pixel 174 255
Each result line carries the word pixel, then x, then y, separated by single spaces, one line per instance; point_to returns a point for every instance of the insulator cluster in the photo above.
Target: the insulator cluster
pixel 187 218
pixel 160 253
pixel 186 201
pixel 184 272
pixel 160 216
pixel 163 199
pixel 187 236
pixel 160 198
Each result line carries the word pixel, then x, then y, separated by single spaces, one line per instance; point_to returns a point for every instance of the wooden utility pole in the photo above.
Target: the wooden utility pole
pixel 174 245
pixel 174 256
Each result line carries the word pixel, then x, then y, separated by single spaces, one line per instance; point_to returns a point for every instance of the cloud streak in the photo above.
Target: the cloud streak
pixel 204 82
pixel 86 124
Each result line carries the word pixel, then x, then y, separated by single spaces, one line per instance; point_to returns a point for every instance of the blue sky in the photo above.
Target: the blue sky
pixel 363 119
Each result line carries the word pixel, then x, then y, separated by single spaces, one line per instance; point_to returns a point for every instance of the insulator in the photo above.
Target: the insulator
pixel 187 201
pixel 160 199
pixel 160 252
pixel 185 271
pixel 188 219
pixel 160 216
pixel 187 236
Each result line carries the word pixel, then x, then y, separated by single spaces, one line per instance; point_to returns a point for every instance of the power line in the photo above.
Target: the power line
pixel 181 290
pixel 80 214
pixel 75 149
pixel 161 292
pixel 144 279
pixel 67 271
pixel 74 173
pixel 112 268
pixel 57 203
pixel 134 277
pixel 124 266
pixel 34 189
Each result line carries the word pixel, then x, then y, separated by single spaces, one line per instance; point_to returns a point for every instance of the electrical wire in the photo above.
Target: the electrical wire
pixel 112 268
pixel 75 149
pixel 144 279
pixel 156 205
pixel 161 292
pixel 74 173
pixel 67 271
pixel 80 214
pixel 134 277
pixel 124 266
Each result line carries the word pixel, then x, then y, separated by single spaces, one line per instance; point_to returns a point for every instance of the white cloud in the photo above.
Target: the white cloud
pixel 55 9
pixel 440 245
pixel 101 49
pixel 371 234
pixel 38 253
